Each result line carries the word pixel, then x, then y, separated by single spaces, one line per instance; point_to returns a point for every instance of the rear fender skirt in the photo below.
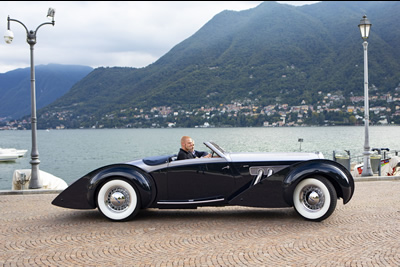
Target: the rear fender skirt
pixel 75 196
pixel 337 174
pixel 81 194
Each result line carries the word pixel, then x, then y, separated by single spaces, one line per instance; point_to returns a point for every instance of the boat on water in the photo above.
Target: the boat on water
pixel 8 157
pixel 21 180
pixel 11 154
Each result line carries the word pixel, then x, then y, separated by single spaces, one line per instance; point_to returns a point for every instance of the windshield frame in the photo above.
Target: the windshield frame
pixel 217 149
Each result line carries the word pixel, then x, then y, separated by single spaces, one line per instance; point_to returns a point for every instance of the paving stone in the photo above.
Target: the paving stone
pixel 365 232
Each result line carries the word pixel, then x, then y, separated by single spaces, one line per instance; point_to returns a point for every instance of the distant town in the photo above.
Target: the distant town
pixel 333 109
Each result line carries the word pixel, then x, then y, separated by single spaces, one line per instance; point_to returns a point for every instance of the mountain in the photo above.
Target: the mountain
pixel 52 81
pixel 273 53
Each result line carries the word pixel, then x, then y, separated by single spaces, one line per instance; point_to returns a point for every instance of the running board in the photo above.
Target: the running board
pixel 189 202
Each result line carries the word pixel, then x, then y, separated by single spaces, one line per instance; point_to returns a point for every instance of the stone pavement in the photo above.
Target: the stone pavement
pixel 365 232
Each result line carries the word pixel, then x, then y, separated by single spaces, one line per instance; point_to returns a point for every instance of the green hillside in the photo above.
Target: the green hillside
pixel 273 54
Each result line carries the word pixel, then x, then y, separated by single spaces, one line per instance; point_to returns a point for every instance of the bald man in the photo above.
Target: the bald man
pixel 187 150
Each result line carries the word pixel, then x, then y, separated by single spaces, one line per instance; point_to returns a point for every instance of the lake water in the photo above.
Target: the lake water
pixel 70 154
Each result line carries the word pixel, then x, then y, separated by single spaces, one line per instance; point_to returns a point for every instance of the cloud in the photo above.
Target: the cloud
pixel 104 33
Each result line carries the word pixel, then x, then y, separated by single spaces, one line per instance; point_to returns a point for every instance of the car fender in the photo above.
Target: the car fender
pixel 82 193
pixel 336 173
pixel 141 179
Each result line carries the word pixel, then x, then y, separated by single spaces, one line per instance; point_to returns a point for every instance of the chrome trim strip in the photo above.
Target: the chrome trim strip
pixel 259 175
pixel 192 201
pixel 266 169
pixel 196 161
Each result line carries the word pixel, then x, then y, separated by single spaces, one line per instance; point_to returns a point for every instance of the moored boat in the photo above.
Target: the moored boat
pixel 8 157
pixel 11 154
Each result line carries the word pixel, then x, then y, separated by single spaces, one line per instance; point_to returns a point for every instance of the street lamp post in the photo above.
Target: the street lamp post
pixel 365 27
pixel 35 182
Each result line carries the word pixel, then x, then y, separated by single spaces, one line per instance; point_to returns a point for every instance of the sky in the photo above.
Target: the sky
pixel 105 33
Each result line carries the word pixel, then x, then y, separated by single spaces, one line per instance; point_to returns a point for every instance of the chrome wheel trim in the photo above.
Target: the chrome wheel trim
pixel 117 199
pixel 312 198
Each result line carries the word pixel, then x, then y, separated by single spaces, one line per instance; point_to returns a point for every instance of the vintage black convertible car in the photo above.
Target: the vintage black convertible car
pixel 305 181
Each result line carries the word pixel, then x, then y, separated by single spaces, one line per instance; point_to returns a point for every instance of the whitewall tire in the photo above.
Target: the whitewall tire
pixel 315 198
pixel 118 200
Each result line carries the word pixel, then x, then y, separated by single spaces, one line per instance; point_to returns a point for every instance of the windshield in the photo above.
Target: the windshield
pixel 215 148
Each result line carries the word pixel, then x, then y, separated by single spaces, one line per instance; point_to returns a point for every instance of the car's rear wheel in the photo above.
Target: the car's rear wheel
pixel 118 200
pixel 315 198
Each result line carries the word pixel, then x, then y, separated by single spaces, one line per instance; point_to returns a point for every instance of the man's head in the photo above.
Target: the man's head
pixel 187 143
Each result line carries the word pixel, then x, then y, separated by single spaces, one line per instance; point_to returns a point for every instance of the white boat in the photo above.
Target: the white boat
pixel 21 180
pixel 8 157
pixel 11 154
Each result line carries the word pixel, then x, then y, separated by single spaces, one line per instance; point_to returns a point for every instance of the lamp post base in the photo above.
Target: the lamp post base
pixel 367 170
pixel 35 182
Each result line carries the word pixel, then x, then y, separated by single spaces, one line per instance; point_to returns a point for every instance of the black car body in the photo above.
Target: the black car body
pixel 306 181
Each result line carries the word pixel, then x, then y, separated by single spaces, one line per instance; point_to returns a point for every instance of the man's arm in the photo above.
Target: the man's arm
pixel 202 154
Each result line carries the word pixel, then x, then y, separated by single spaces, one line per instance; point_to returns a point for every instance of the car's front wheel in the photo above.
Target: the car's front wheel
pixel 315 198
pixel 118 200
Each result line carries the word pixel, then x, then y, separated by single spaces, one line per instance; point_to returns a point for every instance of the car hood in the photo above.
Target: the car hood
pixel 274 156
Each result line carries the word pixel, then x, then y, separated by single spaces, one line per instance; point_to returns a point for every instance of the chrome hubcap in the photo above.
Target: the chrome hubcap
pixel 117 199
pixel 312 198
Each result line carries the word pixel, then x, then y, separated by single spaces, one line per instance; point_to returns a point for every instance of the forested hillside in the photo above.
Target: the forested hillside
pixel 272 55
pixel 52 81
